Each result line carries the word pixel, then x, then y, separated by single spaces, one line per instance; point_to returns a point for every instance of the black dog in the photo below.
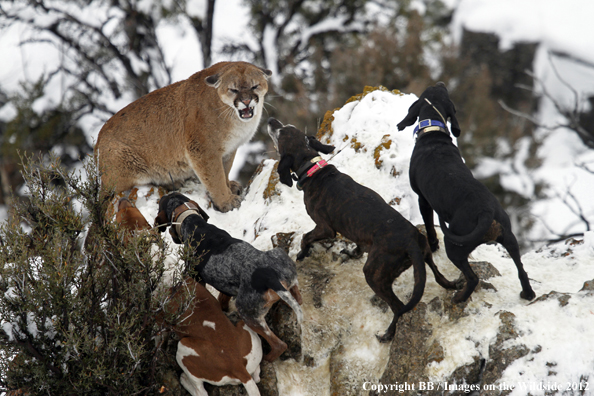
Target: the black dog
pixel 469 214
pixel 235 268
pixel 338 204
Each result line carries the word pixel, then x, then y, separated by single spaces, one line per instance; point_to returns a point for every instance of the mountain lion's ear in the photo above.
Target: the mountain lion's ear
pixel 213 81
pixel 267 73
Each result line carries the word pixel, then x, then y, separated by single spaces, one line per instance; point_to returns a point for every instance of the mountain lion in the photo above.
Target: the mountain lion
pixel 187 129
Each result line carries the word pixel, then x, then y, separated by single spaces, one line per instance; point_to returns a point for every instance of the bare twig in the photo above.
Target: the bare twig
pixel 572 115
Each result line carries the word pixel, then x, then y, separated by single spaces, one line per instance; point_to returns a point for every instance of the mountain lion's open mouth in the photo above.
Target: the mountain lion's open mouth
pixel 246 114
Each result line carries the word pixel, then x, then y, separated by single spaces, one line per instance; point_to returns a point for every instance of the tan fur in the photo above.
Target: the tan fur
pixel 494 232
pixel 187 129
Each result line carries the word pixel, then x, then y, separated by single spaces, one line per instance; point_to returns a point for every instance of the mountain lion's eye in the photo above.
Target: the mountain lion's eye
pixel 235 91
pixel 255 86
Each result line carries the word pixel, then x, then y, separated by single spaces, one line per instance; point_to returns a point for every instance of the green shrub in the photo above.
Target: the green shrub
pixel 78 314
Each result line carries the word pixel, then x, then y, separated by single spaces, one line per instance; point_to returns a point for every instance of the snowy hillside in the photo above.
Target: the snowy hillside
pixel 551 337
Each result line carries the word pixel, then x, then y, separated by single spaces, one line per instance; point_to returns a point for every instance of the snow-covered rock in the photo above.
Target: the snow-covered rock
pixel 496 343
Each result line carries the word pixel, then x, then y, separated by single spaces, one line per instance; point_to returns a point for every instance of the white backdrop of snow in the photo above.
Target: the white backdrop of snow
pixel 565 334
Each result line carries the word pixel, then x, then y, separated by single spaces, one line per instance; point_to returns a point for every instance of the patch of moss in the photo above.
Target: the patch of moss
pixel 133 196
pixel 395 201
pixel 273 180
pixel 325 130
pixel 356 145
pixel 385 144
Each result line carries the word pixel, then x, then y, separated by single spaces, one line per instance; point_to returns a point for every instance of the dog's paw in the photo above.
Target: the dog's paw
pixel 235 187
pixel 528 295
pixel 460 297
pixel 434 245
pixel 302 254
pixel 384 339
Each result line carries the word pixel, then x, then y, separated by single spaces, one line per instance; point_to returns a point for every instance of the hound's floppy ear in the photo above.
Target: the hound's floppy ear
pixel 411 117
pixel 161 221
pixel 202 213
pixel 174 235
pixel 321 147
pixel 284 169
pixel 453 120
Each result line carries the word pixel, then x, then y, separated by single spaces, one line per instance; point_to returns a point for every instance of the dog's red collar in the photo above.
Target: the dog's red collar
pixel 319 164
pixel 309 170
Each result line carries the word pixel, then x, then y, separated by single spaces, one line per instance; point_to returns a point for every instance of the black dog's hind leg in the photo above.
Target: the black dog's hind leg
pixel 428 257
pixel 380 273
pixel 427 214
pixel 439 278
pixel 509 242
pixel 319 233
pixel 459 256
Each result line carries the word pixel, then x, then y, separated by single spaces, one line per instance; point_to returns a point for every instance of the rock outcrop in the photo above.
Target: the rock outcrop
pixel 493 344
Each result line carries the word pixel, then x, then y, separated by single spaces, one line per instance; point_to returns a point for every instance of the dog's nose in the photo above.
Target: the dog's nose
pixel 440 84
pixel 274 123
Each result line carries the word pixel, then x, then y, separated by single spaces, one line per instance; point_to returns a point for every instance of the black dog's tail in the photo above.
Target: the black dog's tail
pixel 485 219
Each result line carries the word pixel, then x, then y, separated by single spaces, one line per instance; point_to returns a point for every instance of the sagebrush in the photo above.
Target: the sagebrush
pixel 78 306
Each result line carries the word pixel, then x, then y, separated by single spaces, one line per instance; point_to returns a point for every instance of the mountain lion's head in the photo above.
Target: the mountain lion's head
pixel 242 87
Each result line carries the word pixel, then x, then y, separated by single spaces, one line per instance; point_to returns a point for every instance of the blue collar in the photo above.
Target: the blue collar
pixel 428 123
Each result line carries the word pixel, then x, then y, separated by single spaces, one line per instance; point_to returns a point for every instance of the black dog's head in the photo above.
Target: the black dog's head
pixel 294 147
pixel 167 205
pixel 421 109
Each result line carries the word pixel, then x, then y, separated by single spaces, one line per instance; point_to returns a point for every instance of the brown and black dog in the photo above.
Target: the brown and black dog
pixel 338 204
pixel 469 214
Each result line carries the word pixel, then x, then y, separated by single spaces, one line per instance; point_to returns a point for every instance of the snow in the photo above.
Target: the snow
pixel 271 53
pixel 568 347
pixel 230 26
